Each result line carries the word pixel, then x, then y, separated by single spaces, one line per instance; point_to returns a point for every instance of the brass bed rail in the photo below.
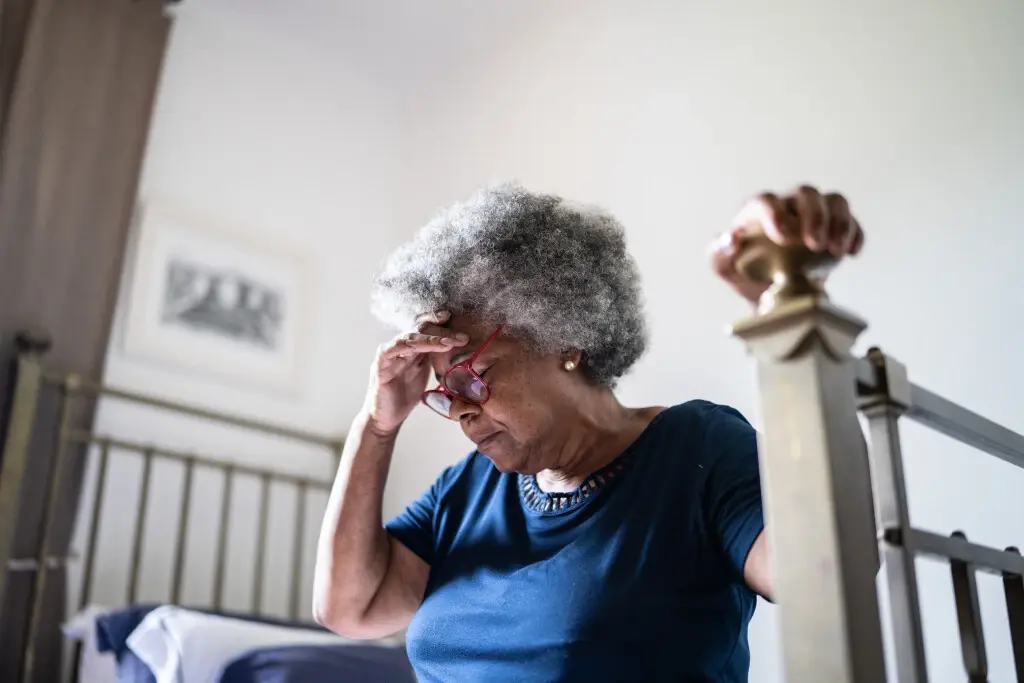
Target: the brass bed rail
pixel 835 507
pixel 69 444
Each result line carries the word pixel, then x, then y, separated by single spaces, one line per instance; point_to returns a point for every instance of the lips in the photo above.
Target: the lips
pixel 483 441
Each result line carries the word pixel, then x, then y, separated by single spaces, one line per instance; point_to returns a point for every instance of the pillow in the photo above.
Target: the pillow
pixel 183 645
pixel 96 664
pixel 113 628
pixel 105 657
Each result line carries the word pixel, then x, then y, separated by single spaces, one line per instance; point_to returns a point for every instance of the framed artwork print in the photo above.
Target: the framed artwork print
pixel 216 303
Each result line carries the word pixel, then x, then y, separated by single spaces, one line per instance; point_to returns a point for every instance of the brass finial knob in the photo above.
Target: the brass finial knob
pixel 791 271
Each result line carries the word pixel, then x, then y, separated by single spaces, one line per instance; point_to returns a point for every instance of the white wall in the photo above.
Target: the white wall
pixel 257 129
pixel 670 113
pixel 352 124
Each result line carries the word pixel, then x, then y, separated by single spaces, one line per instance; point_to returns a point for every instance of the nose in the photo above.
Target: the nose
pixel 462 409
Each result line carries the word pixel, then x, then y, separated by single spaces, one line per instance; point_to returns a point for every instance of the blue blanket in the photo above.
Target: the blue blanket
pixel 316 664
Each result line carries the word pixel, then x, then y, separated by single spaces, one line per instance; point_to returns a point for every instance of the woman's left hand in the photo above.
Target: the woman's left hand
pixel 822 222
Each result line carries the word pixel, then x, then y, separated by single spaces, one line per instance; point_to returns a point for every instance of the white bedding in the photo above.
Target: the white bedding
pixel 180 645
pixel 93 666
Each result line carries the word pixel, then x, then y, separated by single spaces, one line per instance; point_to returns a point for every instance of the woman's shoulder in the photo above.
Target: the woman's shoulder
pixel 699 433
pixel 703 416
pixel 699 446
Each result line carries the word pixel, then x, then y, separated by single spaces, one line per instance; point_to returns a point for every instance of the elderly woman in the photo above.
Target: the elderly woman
pixel 582 539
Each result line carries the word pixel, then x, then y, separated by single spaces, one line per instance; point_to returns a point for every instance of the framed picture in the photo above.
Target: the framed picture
pixel 214 302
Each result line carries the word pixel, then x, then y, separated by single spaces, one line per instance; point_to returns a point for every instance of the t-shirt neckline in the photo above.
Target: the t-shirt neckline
pixel 542 502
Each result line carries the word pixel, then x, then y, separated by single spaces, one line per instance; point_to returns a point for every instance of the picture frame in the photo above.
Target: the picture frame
pixel 216 302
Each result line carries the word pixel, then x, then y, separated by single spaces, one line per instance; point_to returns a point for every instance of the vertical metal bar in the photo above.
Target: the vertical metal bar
pixel 94 525
pixel 50 502
pixel 222 540
pixel 968 616
pixel 817 496
pixel 1013 587
pixel 76 662
pixel 882 410
pixel 28 380
pixel 298 548
pixel 261 545
pixel 181 537
pixel 85 590
pixel 140 526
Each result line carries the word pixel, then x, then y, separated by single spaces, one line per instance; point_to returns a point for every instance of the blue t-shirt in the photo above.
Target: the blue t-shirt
pixel 637 576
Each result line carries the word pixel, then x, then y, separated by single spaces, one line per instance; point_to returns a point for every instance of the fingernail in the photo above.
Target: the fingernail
pixel 462 337
pixel 447 341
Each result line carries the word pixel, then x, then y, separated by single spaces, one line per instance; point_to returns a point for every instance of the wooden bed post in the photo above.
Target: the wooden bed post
pixel 815 478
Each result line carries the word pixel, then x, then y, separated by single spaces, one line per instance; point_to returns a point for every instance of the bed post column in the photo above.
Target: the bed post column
pixel 815 479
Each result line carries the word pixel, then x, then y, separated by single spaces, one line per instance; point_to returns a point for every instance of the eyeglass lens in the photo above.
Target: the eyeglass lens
pixel 461 382
pixel 438 402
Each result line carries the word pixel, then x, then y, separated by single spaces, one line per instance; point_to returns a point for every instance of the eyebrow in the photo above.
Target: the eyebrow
pixel 461 356
pixel 456 359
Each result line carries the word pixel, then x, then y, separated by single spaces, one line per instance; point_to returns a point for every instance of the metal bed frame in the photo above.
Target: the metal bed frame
pixel 47 562
pixel 826 538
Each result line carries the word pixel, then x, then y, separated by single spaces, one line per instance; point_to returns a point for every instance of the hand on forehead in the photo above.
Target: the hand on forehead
pixel 468 330
pixel 443 324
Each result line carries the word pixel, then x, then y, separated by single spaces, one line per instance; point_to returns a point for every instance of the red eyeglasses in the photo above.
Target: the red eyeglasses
pixel 462 382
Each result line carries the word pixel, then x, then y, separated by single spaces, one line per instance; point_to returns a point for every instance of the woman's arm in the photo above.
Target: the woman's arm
pixel 756 570
pixel 819 221
pixel 366 584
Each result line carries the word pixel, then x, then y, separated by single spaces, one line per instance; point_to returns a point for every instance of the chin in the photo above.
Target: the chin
pixel 505 462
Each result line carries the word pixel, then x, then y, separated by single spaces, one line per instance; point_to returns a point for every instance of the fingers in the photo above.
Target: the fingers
pixel 847 235
pixel 415 343
pixel 780 223
pixel 723 254
pixel 388 369
pixel 433 324
pixel 412 349
pixel 396 357
pixel 857 241
pixel 813 216
pixel 843 228
pixel 431 330
pixel 804 216
pixel 435 318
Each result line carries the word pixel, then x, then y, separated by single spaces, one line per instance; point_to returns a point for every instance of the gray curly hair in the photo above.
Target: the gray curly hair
pixel 556 273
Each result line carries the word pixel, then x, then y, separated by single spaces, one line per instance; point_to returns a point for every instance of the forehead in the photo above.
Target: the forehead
pixel 478 333
pixel 477 330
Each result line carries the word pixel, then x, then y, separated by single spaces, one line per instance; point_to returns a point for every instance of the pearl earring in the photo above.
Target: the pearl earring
pixel 570 365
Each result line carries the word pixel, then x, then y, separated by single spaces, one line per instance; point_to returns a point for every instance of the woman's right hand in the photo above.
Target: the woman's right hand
pixel 401 369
